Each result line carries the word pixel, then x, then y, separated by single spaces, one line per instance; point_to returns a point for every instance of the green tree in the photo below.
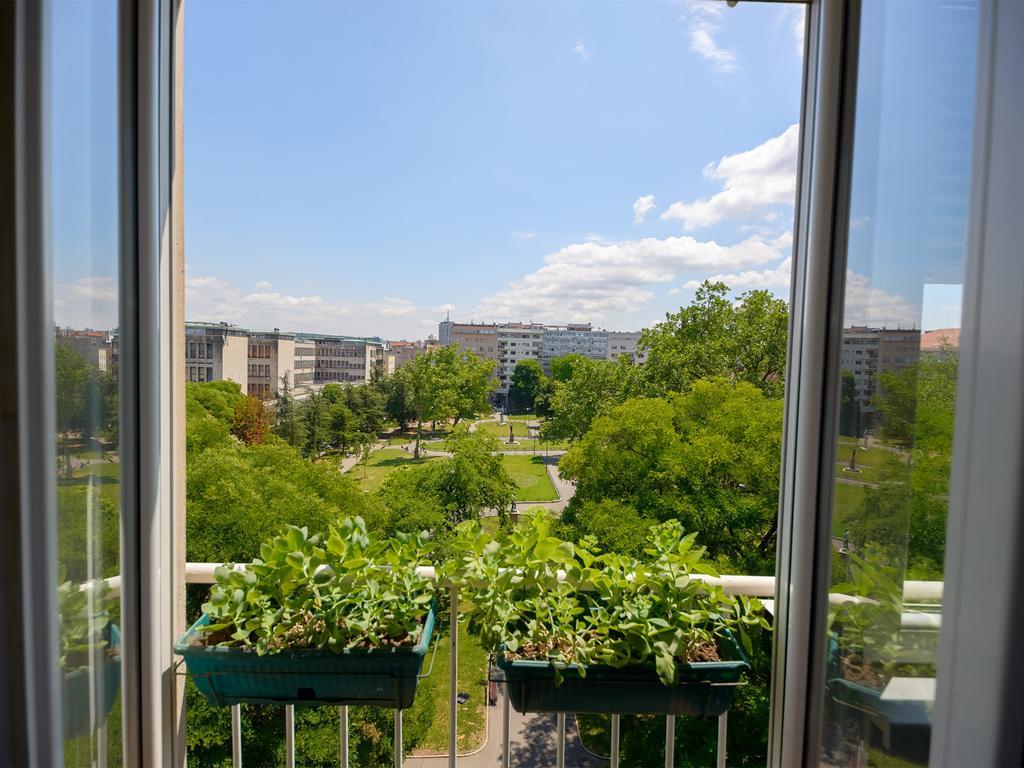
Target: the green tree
pixel 715 337
pixel 439 495
pixel 593 387
pixel 76 386
pixel 849 406
pixel 290 425
pixel 709 458
pixel 315 418
pixel 398 398
pixel 562 367
pixel 527 384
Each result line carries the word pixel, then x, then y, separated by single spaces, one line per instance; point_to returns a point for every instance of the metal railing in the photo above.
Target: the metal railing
pixel 751 586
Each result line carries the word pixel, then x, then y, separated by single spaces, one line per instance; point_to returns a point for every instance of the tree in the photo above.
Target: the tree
pixel 290 425
pixel 709 458
pixel 849 406
pixel 593 387
pixel 714 337
pixel 75 380
pixel 439 495
pixel 398 399
pixel 527 384
pixel 313 412
pixel 562 367
pixel 252 419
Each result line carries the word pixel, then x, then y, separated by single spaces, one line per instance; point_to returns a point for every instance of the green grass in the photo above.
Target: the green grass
pixel 847 499
pixel 869 462
pixel 500 431
pixel 531 478
pixel 380 464
pixel 433 692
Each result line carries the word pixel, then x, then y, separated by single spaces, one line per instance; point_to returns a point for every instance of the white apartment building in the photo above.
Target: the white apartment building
pixel 516 341
pixel 867 352
pixel 626 343
pixel 572 339
pixel 97 347
pixel 343 359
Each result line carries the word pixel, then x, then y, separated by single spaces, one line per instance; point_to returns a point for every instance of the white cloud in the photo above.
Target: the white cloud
pixel 89 302
pixel 523 234
pixel 263 285
pixel 581 50
pixel 753 181
pixel 586 281
pixel 794 18
pixel 776 277
pixel 874 307
pixel 212 299
pixel 702 18
pixel 641 207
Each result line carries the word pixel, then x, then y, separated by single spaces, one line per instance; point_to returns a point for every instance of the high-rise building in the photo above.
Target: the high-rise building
pixel 868 352
pixel 572 339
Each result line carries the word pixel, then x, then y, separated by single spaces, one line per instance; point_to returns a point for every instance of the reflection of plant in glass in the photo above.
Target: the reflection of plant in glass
pixel 346 592
pixel 867 627
pixel 84 621
pixel 605 609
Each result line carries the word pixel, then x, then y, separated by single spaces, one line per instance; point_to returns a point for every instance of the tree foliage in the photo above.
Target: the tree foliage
pixel 528 382
pixel 252 420
pixel 593 387
pixel 714 337
pixel 709 458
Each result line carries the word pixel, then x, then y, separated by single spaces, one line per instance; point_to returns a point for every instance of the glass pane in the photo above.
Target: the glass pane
pixel 85 308
pixel 909 201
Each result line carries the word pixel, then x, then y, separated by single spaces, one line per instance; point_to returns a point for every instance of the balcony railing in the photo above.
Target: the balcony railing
pixel 751 586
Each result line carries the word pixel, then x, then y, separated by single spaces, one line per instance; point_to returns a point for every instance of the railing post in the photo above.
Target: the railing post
pixel 398 738
pixel 560 747
pixel 506 737
pixel 670 741
pixel 289 735
pixel 723 721
pixel 343 734
pixel 236 736
pixel 101 746
pixel 453 678
pixel 615 741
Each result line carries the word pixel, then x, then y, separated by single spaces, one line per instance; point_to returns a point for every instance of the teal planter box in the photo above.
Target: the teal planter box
pixel 704 689
pixel 77 702
pixel 225 675
pixel 898 728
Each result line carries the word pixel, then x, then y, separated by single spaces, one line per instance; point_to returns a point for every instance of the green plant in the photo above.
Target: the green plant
pixel 84 618
pixel 342 593
pixel 539 597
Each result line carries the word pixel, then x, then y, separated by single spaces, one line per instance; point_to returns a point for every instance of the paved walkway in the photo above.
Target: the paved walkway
pixel 532 744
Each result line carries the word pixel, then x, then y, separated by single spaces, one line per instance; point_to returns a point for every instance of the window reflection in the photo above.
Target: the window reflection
pixel 897 383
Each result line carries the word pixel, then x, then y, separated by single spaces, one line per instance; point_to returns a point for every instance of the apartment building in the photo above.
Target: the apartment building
pixel 271 356
pixel 626 343
pixel 97 347
pixel 215 351
pixel 572 339
pixel 868 352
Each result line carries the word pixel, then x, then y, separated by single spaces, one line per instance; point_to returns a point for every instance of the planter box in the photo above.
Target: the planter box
pixel 225 675
pixel 704 689
pixel 898 728
pixel 77 703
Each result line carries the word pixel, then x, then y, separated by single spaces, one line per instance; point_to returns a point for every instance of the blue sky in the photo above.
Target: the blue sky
pixel 365 168
pixel 376 163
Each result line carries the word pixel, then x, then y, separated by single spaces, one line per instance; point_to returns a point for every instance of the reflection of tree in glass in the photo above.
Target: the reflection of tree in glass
pixel 907 509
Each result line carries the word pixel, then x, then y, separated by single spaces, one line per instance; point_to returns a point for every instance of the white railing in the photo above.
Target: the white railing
pixel 751 586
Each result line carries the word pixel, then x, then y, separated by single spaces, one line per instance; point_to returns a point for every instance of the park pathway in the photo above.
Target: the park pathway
pixel 532 744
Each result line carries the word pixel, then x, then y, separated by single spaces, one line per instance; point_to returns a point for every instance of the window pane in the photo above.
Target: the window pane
pixel 83 138
pixel 897 384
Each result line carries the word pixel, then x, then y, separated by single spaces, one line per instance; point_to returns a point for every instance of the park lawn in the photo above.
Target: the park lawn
pixel 869 462
pixel 848 498
pixel 382 463
pixel 500 431
pixel 433 693
pixel 531 477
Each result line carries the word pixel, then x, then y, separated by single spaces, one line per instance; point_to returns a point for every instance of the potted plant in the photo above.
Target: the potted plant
pixel 867 648
pixel 578 630
pixel 341 621
pixel 89 656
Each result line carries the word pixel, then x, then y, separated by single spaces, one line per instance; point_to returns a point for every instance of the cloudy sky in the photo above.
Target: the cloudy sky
pixel 366 168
